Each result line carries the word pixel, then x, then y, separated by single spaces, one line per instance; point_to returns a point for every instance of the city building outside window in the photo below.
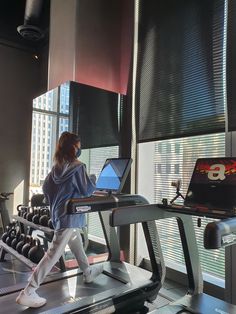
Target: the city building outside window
pixel 50 118
pixel 182 161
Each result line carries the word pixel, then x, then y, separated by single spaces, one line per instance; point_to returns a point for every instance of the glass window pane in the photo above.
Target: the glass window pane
pixel 94 159
pixel 47 101
pixel 162 162
pixel 63 125
pixel 43 144
pixel 64 98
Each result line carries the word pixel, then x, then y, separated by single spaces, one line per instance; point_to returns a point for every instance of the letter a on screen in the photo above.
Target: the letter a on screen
pixel 216 172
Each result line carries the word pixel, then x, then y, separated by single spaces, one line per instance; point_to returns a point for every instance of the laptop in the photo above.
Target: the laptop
pixel 212 188
pixel 113 175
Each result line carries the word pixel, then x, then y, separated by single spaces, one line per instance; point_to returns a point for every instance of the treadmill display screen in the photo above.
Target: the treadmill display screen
pixel 114 174
pixel 213 184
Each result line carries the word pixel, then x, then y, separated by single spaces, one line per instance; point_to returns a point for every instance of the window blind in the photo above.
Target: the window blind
pixel 231 72
pixel 171 160
pixel 95 115
pixel 95 161
pixel 180 69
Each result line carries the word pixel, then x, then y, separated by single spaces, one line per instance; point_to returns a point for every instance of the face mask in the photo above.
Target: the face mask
pixel 78 153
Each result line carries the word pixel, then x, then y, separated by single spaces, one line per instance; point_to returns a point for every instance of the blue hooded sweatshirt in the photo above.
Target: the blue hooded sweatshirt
pixel 62 183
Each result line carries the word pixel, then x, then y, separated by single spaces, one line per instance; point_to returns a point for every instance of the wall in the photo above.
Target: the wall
pixel 91 43
pixel 103 33
pixel 21 79
pixel 104 44
pixel 62 42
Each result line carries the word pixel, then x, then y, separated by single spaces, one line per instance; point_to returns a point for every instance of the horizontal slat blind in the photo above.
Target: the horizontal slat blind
pixel 231 68
pixel 171 160
pixel 97 157
pixel 180 69
pixel 182 154
pixel 95 116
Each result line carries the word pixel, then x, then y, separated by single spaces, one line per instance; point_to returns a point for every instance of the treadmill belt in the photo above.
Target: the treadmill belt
pixel 172 309
pixel 61 292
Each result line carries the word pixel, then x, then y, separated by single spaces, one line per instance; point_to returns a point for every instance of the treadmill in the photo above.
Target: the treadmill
pixel 122 287
pixel 217 234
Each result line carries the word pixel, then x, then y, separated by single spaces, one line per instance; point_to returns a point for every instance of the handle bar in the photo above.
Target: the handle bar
pixel 5 195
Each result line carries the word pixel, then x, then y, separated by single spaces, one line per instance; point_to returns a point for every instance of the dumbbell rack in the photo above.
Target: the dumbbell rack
pixel 14 253
pixel 25 222
pixel 22 258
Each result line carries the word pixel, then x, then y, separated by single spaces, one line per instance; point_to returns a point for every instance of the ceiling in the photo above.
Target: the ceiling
pixel 12 15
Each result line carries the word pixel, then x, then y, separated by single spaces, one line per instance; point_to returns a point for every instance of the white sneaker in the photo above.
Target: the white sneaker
pixel 30 300
pixel 93 273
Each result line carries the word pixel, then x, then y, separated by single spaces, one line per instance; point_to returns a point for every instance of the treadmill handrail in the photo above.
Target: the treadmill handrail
pixel 147 214
pixel 137 213
pixel 98 202
pixel 220 233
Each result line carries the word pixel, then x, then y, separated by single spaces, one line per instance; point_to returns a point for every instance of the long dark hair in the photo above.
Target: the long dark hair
pixel 65 150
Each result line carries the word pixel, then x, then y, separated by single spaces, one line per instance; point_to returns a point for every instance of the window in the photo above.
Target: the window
pixel 176 171
pixel 68 108
pixel 168 169
pixel 50 119
pixel 94 159
pixel 64 98
pixel 190 149
pixel 180 103
pixel 159 147
pixel 180 81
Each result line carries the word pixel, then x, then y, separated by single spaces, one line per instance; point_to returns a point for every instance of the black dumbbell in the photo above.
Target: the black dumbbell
pixel 30 214
pixel 11 236
pixel 5 234
pixel 21 243
pixel 43 220
pixel 16 239
pixel 36 253
pixel 27 246
pixel 35 218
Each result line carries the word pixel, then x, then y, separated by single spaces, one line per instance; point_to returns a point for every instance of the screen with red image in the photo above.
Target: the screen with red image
pixel 213 184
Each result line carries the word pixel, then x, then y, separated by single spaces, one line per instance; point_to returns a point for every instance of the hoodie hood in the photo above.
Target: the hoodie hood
pixel 62 173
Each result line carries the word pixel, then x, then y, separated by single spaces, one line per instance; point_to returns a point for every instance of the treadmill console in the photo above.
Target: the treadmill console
pixel 100 202
pixel 221 233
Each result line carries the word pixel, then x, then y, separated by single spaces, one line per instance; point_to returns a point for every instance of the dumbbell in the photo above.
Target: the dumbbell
pixel 36 253
pixel 27 246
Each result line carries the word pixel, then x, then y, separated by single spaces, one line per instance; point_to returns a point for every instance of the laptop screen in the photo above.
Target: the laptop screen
pixel 114 174
pixel 213 184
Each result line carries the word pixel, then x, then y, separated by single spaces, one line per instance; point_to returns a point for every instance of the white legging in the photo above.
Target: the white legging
pixel 61 238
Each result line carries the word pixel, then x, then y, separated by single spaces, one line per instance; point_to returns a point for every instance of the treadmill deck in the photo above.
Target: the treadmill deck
pixel 70 292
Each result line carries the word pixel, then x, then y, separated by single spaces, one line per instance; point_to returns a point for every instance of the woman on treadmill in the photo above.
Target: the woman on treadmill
pixel 67 179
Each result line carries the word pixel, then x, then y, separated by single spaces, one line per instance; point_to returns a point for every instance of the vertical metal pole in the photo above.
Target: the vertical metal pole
pixel 154 250
pixel 230 141
pixel 111 237
pixel 190 250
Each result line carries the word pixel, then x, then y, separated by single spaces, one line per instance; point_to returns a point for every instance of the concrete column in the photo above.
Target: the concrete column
pixel 62 42
pixel 91 43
